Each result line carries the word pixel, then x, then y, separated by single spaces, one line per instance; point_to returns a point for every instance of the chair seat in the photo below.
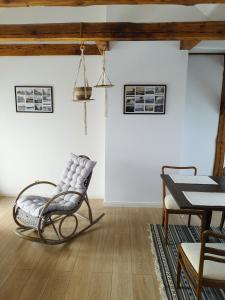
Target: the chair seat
pixel 33 205
pixel 170 203
pixel 212 270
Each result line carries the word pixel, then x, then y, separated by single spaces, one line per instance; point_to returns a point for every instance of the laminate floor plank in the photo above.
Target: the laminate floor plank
pixel 111 261
pixel 100 287
pixel 57 284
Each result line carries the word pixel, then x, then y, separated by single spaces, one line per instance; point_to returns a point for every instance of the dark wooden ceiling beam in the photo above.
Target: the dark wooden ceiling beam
pixel 46 49
pixel 113 31
pixel 188 45
pixel 24 3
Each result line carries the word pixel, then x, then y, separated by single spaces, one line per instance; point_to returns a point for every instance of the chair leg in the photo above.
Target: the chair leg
pixel 222 220
pixel 166 222
pixel 178 272
pixel 163 217
pixel 199 292
pixel 189 220
pixel 203 225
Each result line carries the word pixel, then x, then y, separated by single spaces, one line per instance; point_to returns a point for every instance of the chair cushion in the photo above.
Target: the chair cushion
pixel 170 203
pixel 33 205
pixel 74 178
pixel 75 174
pixel 212 270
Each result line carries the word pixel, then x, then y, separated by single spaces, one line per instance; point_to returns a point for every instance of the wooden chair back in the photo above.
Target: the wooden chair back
pixel 210 253
pixel 175 168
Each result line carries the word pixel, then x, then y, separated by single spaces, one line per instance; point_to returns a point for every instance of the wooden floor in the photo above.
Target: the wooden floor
pixel 111 261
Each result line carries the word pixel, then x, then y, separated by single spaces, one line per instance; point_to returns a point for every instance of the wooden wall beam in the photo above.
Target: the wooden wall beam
pixel 188 44
pixel 102 46
pixel 24 3
pixel 220 141
pixel 114 31
pixel 46 49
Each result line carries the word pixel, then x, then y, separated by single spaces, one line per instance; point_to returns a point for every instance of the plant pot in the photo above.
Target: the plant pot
pixel 80 93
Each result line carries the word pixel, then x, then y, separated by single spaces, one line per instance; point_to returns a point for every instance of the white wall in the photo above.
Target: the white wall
pixel 204 84
pixel 136 145
pixel 37 146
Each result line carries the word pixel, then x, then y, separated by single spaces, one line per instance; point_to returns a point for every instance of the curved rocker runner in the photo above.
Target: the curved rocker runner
pixel 42 219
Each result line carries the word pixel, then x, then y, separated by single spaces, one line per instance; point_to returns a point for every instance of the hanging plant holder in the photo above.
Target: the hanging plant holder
pixel 104 82
pixel 83 92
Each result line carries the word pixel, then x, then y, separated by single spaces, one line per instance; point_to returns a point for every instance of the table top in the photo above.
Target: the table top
pixel 177 189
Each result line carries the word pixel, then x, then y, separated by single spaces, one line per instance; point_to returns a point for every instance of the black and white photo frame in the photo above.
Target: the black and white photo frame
pixel 34 99
pixel 145 99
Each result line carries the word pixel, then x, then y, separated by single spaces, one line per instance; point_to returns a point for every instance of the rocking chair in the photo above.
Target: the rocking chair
pixel 39 216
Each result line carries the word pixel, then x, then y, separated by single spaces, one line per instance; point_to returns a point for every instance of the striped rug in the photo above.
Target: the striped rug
pixel 166 262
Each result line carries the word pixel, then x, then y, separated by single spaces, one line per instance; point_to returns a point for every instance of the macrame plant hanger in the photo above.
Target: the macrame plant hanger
pixel 104 81
pixel 82 94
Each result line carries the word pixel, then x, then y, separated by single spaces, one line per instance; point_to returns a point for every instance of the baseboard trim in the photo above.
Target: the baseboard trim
pixel 7 196
pixel 132 204
pixel 111 204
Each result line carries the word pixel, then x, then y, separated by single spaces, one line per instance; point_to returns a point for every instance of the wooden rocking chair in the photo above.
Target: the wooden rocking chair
pixel 37 216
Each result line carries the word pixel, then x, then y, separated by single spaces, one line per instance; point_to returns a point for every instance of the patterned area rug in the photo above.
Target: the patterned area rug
pixel 166 262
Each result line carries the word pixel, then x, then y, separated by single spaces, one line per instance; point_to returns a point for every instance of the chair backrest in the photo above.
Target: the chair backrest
pixel 77 175
pixel 210 252
pixel 175 168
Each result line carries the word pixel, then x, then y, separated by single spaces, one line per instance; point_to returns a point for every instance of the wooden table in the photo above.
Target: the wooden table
pixel 177 189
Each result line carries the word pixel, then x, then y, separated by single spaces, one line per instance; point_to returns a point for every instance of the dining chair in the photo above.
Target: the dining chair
pixel 171 207
pixel 203 263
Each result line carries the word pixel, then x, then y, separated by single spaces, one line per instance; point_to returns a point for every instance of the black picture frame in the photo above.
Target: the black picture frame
pixel 34 99
pixel 144 99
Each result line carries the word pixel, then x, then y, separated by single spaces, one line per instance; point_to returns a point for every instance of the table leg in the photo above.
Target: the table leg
pixel 208 221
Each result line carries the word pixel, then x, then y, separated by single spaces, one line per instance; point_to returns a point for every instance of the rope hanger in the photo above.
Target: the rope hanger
pixel 83 93
pixel 104 81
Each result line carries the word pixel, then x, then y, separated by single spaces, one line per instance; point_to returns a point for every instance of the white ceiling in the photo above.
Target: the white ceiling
pixel 114 13
pixel 208 9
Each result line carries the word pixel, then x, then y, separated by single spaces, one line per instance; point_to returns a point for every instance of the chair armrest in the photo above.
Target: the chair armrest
pixel 33 184
pixel 57 196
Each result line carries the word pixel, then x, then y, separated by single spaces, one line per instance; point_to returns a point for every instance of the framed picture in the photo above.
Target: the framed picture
pixel 145 99
pixel 34 99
